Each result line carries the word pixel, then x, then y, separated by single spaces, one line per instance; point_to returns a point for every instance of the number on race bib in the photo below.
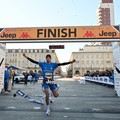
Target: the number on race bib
pixel 48 75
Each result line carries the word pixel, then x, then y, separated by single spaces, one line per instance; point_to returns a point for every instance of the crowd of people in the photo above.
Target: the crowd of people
pixel 32 76
pixel 108 73
pixel 9 74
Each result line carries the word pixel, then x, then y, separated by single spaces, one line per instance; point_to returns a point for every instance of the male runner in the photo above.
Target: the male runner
pixel 48 68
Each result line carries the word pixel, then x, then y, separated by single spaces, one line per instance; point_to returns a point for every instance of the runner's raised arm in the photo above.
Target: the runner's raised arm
pixel 31 60
pixel 66 63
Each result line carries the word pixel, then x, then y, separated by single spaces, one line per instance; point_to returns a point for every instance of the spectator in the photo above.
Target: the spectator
pixel 30 78
pixel 36 75
pixel 26 77
pixel 10 80
pixel 13 78
pixel 6 79
pixel 33 76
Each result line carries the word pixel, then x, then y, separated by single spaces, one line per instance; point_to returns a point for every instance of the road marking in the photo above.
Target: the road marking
pixel 96 109
pixel 74 95
pixel 66 108
pixel 37 108
pixel 11 107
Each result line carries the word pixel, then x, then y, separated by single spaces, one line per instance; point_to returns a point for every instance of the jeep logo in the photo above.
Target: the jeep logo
pixel 112 34
pixel 6 35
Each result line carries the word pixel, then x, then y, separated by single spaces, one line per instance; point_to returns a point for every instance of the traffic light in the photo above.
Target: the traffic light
pixel 56 47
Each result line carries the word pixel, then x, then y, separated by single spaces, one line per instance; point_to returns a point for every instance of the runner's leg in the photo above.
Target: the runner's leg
pixel 46 88
pixel 54 91
pixel 47 96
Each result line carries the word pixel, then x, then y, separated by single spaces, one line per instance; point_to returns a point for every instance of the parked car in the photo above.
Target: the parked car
pixel 19 78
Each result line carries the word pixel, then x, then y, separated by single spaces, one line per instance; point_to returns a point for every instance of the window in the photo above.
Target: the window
pixel 92 57
pixel 53 51
pixel 44 50
pixel 47 51
pixel 96 56
pixel 35 50
pixel 87 57
pixel 17 50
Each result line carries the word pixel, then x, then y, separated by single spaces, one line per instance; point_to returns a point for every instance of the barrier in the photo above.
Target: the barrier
pixel 80 79
pixel 104 80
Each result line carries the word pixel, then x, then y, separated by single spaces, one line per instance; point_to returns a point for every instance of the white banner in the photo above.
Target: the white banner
pixel 2 65
pixel 104 80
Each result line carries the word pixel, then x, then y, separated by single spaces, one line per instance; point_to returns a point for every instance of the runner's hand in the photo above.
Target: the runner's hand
pixel 24 55
pixel 73 60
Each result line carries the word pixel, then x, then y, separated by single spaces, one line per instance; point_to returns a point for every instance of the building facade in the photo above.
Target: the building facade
pixel 105 13
pixel 15 57
pixel 105 16
pixel 91 58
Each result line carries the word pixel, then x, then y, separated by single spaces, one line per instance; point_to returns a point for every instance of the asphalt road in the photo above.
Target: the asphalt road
pixel 76 102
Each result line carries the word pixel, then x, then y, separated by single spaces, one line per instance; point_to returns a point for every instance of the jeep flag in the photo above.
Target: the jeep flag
pixel 60 33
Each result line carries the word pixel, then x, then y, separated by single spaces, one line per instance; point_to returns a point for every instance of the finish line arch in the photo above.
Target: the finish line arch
pixel 60 34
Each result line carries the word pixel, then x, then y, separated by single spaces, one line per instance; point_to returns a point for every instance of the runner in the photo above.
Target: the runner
pixel 48 68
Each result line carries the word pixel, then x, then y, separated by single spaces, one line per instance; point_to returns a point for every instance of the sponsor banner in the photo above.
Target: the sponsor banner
pixel 2 65
pixel 52 33
pixel 103 80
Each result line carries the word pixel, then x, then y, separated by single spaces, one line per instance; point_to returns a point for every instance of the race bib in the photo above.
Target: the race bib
pixel 48 75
